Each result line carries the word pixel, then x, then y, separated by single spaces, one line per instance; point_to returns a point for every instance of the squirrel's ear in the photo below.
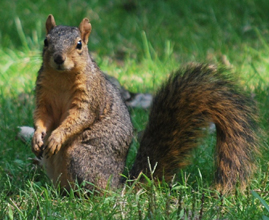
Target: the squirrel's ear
pixel 85 28
pixel 50 23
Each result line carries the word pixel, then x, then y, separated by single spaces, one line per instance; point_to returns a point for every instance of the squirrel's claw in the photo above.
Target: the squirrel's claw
pixel 54 144
pixel 37 142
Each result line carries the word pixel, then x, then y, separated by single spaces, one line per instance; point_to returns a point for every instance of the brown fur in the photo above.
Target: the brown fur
pixel 189 101
pixel 83 128
pixel 81 122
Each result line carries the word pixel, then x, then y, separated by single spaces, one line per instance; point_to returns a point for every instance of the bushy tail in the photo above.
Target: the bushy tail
pixel 188 102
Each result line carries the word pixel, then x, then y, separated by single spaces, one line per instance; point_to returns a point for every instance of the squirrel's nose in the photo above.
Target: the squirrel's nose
pixel 59 59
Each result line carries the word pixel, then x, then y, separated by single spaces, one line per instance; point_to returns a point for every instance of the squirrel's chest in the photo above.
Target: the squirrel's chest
pixel 58 99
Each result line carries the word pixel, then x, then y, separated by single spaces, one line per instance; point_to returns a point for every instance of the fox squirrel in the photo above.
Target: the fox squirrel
pixel 83 128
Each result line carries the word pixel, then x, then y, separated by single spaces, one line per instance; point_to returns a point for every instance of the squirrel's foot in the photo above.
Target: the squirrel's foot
pixel 37 142
pixel 54 143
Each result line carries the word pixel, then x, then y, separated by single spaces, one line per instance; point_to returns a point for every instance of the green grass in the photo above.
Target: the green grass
pixel 140 43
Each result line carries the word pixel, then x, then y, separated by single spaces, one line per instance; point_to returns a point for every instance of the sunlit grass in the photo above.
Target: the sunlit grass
pixel 139 43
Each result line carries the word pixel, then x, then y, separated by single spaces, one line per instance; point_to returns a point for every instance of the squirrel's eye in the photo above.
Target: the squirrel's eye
pixel 79 45
pixel 46 43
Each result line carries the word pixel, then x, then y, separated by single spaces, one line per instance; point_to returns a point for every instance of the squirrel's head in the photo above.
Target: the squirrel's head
pixel 65 47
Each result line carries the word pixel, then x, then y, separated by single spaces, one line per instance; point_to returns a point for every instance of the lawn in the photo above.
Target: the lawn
pixel 139 43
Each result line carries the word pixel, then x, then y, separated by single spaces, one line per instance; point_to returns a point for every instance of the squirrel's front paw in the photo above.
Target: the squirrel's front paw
pixel 54 143
pixel 37 142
